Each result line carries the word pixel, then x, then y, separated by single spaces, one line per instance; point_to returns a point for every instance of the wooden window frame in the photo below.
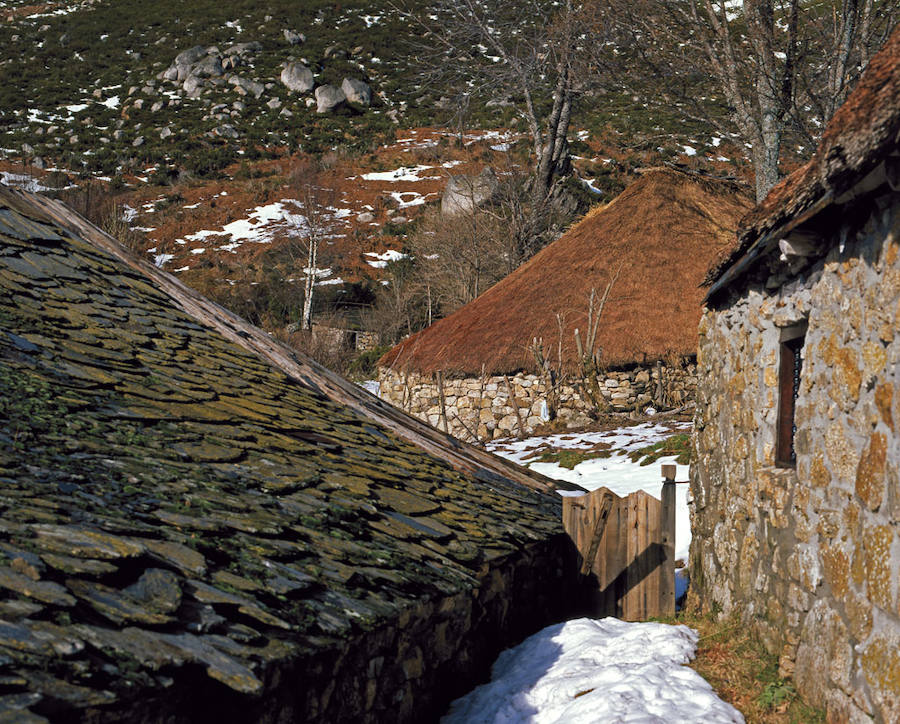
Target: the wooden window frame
pixel 790 368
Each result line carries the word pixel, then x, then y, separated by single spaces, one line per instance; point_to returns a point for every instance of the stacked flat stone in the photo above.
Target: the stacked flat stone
pixel 481 408
pixel 186 531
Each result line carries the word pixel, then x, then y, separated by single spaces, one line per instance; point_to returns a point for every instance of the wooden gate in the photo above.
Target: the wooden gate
pixel 627 547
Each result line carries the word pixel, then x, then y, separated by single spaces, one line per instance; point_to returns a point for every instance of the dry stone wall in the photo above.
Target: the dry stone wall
pixel 484 408
pixel 809 556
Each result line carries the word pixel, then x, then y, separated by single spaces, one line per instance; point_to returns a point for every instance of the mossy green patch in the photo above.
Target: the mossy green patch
pixel 678 445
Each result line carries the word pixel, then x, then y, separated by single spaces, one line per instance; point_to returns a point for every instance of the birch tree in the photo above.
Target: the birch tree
pixel 310 231
pixel 531 53
pixel 780 66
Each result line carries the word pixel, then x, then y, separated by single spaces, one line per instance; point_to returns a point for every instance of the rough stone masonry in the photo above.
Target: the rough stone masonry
pixel 810 556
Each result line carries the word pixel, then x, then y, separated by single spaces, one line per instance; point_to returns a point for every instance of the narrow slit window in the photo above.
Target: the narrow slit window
pixel 790 367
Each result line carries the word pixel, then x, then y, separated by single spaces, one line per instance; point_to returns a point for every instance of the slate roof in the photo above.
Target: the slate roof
pixel 863 132
pixel 662 232
pixel 171 501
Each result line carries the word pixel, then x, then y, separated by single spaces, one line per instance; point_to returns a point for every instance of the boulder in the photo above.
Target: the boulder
pixel 293 37
pixel 297 77
pixel 328 97
pixel 191 55
pixel 357 91
pixel 366 217
pixel 254 46
pixel 226 130
pixel 335 51
pixel 465 193
pixel 245 86
pixel 209 67
pixel 192 86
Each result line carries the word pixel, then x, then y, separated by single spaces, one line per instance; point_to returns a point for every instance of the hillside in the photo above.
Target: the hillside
pixel 194 126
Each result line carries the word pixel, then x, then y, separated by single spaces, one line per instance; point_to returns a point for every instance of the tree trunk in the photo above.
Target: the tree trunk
pixel 310 283
pixel 765 154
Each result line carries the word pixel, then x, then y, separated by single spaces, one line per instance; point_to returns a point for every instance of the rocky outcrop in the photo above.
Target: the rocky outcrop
pixel 328 98
pixel 357 91
pixel 202 72
pixel 245 86
pixel 465 193
pixel 297 77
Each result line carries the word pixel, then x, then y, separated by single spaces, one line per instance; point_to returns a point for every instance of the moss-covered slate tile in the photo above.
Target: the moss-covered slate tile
pixel 44 591
pixel 175 499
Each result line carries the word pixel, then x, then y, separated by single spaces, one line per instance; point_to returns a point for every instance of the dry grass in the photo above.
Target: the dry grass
pixel 661 233
pixel 743 673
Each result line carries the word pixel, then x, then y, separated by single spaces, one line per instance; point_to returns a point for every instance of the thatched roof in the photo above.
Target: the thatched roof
pixel 663 231
pixel 863 133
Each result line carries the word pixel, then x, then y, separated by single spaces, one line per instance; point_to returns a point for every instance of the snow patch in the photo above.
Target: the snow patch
pixel 404 173
pixel 380 261
pixel 597 670
pixel 617 472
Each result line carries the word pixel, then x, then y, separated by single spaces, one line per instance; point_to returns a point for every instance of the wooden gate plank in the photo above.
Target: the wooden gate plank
pixel 667 540
pixel 599 512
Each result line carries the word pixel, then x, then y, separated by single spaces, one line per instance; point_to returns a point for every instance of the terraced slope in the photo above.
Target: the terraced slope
pixel 185 527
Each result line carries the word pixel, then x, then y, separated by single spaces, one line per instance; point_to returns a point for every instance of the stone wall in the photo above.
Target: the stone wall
pixel 809 556
pixel 408 670
pixel 482 407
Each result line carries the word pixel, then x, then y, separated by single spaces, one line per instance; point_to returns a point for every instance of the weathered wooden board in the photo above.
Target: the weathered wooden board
pixel 626 548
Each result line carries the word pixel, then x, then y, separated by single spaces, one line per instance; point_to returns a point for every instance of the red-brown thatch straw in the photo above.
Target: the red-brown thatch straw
pixel 661 233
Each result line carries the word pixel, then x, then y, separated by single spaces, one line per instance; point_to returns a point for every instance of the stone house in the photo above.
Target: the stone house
pixel 199 524
pixel 509 361
pixel 796 474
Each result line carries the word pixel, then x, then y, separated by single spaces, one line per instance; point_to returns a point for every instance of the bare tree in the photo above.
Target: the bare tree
pixel 781 66
pixel 309 229
pixel 531 52
pixel 400 302
pixel 588 370
pixel 458 257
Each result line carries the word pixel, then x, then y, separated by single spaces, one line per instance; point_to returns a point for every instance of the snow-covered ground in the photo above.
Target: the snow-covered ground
pixel 590 671
pixel 604 670
pixel 617 472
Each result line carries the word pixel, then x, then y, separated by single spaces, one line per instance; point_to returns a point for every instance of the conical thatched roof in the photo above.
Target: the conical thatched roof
pixel 661 233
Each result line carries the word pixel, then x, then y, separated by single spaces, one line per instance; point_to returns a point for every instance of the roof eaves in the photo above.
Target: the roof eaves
pixel 764 245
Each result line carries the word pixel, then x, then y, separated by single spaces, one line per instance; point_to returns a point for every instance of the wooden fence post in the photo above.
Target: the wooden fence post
pixel 667 536
pixel 440 385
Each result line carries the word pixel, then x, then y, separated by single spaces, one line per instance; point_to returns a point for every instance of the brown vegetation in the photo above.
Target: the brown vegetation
pixel 743 673
pixel 662 231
